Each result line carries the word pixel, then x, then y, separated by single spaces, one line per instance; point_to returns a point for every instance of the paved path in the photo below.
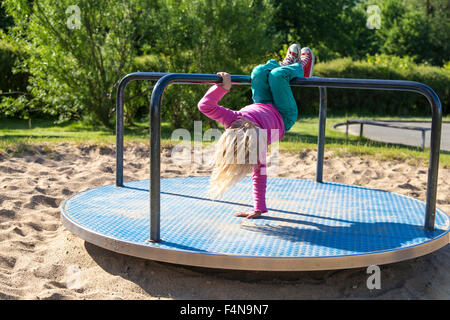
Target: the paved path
pixel 401 136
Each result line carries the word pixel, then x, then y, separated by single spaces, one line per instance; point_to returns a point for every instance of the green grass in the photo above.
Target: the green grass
pixel 15 136
pixel 14 131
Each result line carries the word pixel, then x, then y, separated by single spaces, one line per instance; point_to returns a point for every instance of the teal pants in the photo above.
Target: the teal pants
pixel 270 84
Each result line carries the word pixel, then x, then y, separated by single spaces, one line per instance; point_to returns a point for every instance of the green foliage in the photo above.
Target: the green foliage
pixel 70 73
pixel 205 37
pixel 13 83
pixel 74 72
pixel 399 63
pixel 10 79
pixel 372 102
pixel 5 20
pixel 331 28
pixel 447 66
pixel 341 102
pixel 338 28
pixel 410 28
pixel 73 67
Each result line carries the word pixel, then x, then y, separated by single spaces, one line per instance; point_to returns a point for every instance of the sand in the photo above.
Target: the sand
pixel 40 259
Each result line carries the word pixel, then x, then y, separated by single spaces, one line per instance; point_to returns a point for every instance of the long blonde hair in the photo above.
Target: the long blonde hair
pixel 236 155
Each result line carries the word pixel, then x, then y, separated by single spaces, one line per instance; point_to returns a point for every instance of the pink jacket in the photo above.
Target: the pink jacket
pixel 265 116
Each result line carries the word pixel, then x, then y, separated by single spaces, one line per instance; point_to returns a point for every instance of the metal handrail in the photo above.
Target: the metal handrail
pixel 165 79
pixel 380 124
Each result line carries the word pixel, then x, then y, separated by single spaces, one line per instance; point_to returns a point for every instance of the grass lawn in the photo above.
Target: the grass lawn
pixel 15 136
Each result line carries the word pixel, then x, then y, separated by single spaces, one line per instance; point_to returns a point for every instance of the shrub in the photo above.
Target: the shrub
pixel 204 37
pixel 13 83
pixel 9 79
pixel 374 102
pixel 75 54
pixel 74 71
pixel 179 102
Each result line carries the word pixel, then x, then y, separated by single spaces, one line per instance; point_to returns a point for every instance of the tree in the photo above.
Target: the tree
pixel 75 54
pixel 331 28
pixel 196 36
pixel 416 28
pixel 5 20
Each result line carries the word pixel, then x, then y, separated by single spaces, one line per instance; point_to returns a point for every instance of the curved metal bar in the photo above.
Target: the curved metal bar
pixel 436 122
pixel 150 76
pixel 165 79
pixel 155 139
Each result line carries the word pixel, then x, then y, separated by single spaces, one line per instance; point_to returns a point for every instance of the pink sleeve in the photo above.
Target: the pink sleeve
pixel 208 105
pixel 259 179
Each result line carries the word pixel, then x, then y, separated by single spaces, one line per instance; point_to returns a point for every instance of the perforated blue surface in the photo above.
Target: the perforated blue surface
pixel 305 219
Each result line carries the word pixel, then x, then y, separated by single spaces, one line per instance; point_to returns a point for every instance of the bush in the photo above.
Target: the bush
pixel 203 37
pixel 374 102
pixel 75 71
pixel 409 25
pixel 180 101
pixel 10 80
pixel 179 104
pixel 13 83
pixel 75 54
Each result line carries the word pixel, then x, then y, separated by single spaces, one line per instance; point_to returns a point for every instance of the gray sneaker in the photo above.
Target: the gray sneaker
pixel 292 56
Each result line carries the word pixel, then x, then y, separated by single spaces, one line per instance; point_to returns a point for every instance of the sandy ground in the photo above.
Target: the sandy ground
pixel 38 256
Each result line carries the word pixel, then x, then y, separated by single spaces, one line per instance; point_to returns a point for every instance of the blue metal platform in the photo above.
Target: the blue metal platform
pixel 309 226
